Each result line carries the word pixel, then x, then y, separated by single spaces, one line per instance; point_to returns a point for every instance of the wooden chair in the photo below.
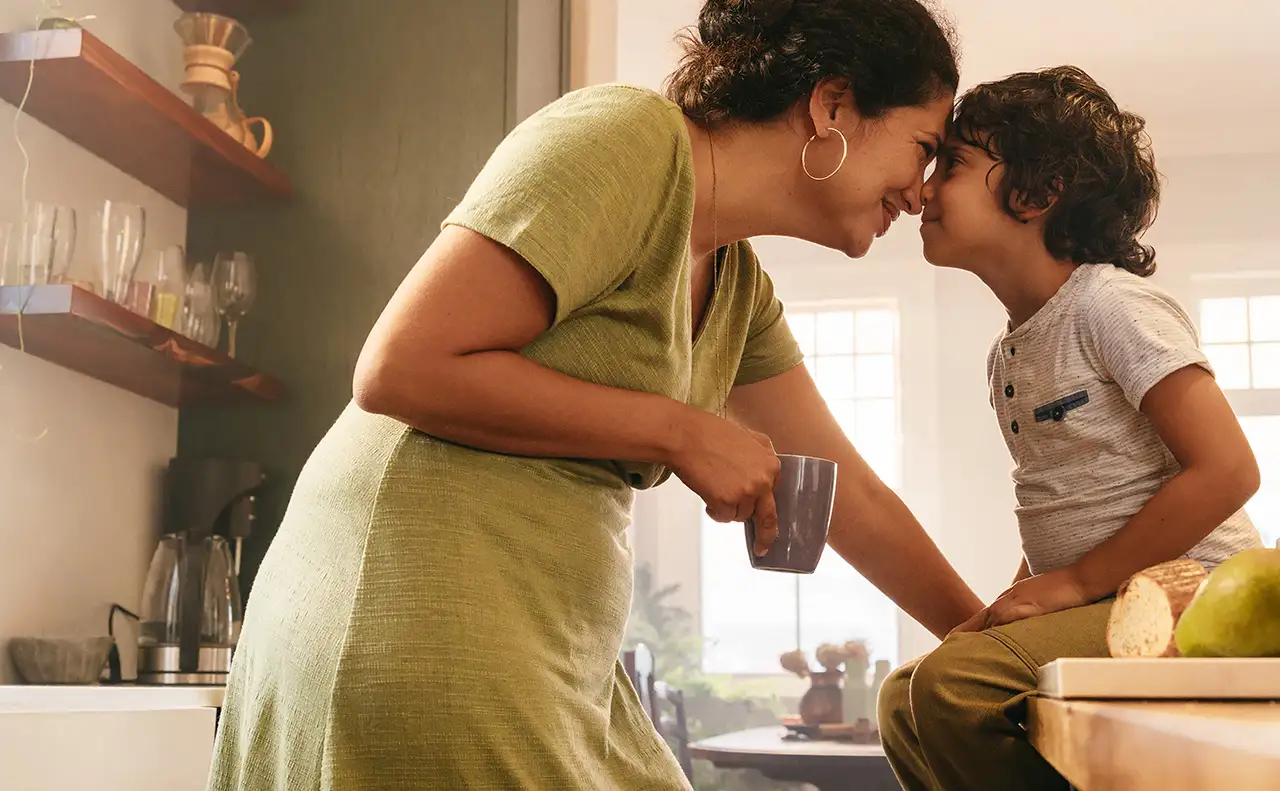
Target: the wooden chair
pixel 639 666
pixel 640 669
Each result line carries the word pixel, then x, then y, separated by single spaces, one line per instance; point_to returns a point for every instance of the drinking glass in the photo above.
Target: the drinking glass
pixel 168 273
pixel 10 242
pixel 200 320
pixel 49 239
pixel 123 229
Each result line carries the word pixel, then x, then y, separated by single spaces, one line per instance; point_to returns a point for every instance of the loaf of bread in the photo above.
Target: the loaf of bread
pixel 1148 606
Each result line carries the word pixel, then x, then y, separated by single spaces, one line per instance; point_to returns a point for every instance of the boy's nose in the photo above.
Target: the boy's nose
pixel 928 191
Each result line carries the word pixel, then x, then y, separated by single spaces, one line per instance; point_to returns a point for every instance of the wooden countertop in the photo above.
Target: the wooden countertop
pixel 1168 746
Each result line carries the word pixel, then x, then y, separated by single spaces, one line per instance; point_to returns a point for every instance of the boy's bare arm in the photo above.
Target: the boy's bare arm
pixel 1218 476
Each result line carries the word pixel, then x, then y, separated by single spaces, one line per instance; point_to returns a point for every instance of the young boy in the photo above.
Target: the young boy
pixel 1126 452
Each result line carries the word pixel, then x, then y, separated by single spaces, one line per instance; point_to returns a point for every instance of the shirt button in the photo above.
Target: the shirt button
pixel 1014 427
pixel 1013 350
pixel 1008 391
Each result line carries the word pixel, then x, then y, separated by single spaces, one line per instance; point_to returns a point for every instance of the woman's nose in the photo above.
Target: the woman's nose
pixel 914 197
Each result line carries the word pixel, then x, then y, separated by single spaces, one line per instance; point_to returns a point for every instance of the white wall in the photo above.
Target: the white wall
pixel 646 48
pixel 79 459
pixel 593 49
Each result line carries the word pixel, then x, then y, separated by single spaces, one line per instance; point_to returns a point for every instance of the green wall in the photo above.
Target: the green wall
pixel 382 118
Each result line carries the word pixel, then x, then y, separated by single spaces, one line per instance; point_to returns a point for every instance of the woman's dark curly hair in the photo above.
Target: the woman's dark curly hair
pixel 1060 134
pixel 752 60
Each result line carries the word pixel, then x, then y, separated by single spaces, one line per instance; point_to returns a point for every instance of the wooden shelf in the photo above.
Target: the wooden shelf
pixel 240 9
pixel 79 330
pixel 89 93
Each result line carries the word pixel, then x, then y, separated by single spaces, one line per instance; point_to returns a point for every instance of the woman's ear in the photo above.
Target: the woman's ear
pixel 830 104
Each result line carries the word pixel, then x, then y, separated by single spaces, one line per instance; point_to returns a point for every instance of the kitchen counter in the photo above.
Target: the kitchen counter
pixel 113 697
pixel 108 737
pixel 1166 746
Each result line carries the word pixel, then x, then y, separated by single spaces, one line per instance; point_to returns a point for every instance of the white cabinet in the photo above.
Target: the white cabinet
pixel 106 739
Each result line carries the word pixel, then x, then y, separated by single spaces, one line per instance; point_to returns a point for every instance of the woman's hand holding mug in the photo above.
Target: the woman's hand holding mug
pixel 733 470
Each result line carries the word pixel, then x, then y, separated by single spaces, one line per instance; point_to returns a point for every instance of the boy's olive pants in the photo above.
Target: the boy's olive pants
pixel 952 720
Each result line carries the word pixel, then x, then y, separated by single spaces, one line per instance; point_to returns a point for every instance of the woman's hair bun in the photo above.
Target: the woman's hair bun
pixel 723 21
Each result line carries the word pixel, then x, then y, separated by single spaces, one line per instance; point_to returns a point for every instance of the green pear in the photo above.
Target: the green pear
pixel 1237 609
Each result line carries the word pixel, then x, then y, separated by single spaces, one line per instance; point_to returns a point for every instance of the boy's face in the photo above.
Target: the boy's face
pixel 963 224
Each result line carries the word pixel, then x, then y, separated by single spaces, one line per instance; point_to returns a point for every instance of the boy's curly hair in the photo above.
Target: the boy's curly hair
pixel 1060 134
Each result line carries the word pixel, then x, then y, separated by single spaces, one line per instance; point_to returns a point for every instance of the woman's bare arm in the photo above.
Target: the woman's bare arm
pixel 870 527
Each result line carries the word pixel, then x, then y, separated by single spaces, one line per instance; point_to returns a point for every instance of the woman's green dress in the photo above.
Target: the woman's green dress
pixel 431 616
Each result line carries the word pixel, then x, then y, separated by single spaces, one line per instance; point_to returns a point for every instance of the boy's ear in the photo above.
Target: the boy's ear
pixel 1027 207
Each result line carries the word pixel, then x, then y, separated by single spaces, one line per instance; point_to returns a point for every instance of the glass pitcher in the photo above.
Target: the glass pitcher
pixel 160 621
pixel 220 624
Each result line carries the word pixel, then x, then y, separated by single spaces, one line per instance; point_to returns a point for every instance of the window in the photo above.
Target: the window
pixel 749 617
pixel 1241 338
pixel 1263 432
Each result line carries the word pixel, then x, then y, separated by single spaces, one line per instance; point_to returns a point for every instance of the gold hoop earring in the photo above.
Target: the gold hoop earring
pixel 844 154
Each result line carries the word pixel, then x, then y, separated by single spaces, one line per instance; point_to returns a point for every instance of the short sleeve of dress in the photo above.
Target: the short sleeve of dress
pixel 578 187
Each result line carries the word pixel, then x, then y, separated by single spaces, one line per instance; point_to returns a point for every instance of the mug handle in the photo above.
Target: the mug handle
pixel 267 138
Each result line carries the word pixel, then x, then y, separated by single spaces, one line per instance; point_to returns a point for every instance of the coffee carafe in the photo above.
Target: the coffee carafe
pixel 191 605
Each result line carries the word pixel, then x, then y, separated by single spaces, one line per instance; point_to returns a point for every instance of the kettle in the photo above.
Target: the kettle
pixel 191 612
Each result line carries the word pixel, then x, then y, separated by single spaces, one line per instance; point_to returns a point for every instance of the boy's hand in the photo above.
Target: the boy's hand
pixel 1038 595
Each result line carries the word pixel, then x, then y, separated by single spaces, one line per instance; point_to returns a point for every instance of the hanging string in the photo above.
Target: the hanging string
pixel 48 9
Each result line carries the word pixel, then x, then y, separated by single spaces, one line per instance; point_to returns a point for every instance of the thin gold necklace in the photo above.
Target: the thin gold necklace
pixel 715 279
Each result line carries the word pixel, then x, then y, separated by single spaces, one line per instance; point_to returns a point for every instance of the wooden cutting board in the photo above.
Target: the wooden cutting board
pixel 1162 679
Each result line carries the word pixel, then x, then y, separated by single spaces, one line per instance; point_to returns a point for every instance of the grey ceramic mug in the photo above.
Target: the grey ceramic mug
pixel 805 493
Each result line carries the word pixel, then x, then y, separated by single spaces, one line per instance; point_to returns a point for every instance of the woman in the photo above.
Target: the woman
pixel 445 600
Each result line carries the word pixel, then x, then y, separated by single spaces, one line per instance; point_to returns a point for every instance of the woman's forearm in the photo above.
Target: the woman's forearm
pixel 871 528
pixel 504 402
pixel 877 534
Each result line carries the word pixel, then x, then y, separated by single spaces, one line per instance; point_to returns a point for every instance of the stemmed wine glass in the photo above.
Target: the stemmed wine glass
pixel 234 287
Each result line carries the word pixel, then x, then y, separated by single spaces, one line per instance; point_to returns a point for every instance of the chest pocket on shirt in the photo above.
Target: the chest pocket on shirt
pixel 1057 410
